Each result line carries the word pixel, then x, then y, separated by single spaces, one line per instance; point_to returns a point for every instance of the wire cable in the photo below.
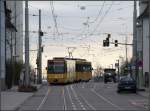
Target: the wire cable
pixel 54 16
pixel 101 20
pixel 100 12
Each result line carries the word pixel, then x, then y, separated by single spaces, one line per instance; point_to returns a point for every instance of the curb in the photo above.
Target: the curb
pixel 18 107
pixel 142 95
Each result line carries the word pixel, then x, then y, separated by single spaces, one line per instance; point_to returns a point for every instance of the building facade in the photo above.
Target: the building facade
pixel 11 37
pixel 16 8
pixel 143 43
pixel 2 44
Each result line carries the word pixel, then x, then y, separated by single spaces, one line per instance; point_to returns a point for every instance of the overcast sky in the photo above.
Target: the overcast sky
pixel 114 18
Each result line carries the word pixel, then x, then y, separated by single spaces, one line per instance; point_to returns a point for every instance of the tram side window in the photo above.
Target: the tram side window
pixel 79 68
pixel 87 68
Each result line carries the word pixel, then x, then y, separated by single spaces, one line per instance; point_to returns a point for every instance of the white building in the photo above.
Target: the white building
pixel 2 45
pixel 143 35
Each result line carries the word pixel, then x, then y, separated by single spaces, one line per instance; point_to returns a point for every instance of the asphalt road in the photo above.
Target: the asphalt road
pixel 84 96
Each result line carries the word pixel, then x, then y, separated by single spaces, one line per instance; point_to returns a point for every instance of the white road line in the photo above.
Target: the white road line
pixel 100 96
pixel 88 104
pixel 74 107
pixel 44 99
pixel 80 103
pixel 75 94
pixel 65 106
pixel 84 109
pixel 83 85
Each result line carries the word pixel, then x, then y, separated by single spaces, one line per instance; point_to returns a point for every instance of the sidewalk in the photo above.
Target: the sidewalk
pixel 12 99
pixel 144 93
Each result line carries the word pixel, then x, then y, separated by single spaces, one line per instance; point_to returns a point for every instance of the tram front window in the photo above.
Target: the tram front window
pixel 59 68
pixel 50 68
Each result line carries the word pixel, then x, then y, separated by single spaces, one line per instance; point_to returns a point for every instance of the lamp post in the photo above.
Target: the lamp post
pixel 39 55
pixel 27 82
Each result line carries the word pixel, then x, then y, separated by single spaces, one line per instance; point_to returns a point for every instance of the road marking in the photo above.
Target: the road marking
pixel 83 85
pixel 74 107
pixel 75 94
pixel 80 103
pixel 100 96
pixel 84 109
pixel 44 99
pixel 94 86
pixel 88 104
pixel 65 106
pixel 140 103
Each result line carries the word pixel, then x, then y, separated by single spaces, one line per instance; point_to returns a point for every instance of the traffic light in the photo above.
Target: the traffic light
pixel 41 33
pixel 107 41
pixel 104 43
pixel 116 43
pixel 42 49
pixel 109 35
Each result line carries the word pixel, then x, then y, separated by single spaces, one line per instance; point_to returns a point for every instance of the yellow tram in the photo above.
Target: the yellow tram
pixel 68 70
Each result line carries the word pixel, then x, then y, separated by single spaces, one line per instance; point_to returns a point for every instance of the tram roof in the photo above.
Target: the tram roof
pixel 64 58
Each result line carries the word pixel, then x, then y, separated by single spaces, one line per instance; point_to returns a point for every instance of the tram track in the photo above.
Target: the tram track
pixel 43 100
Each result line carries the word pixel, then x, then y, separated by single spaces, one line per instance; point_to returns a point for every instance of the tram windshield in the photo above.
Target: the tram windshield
pixel 55 67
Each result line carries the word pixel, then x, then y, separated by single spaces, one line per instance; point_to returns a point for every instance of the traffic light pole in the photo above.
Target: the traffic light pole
pixel 121 43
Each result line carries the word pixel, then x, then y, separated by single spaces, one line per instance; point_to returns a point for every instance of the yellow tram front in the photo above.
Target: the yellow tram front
pixel 56 71
pixel 61 70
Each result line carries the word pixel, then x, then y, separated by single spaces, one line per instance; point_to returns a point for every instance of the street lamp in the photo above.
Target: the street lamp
pixel 39 58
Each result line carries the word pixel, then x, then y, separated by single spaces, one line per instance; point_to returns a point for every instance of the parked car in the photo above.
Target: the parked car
pixel 127 84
